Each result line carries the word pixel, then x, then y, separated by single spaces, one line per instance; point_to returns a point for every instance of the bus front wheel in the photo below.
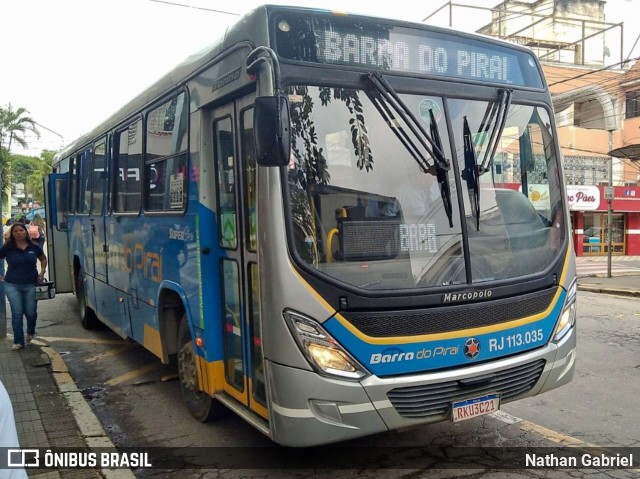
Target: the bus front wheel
pixel 88 317
pixel 200 404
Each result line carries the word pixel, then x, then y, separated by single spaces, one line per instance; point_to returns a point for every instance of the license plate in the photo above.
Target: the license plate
pixel 471 408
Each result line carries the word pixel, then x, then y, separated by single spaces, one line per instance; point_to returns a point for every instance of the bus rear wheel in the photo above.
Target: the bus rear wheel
pixel 88 317
pixel 200 404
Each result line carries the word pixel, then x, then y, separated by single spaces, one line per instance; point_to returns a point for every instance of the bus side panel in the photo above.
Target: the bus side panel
pixel 204 287
pixel 111 308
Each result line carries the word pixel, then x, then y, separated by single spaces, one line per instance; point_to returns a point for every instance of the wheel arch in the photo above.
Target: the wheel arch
pixel 172 306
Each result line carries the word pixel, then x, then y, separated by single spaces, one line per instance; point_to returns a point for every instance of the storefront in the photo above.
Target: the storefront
pixel 589 220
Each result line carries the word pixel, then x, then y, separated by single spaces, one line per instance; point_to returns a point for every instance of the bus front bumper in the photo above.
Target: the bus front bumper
pixel 330 410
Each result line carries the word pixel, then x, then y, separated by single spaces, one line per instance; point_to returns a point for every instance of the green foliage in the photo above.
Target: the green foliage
pixel 14 124
pixel 29 170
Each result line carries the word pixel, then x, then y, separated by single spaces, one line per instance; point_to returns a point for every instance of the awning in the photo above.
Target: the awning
pixel 630 152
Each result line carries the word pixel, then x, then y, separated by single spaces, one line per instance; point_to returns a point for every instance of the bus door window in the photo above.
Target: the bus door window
pixel 258 389
pixel 227 226
pixel 250 178
pixel 61 199
pixel 232 337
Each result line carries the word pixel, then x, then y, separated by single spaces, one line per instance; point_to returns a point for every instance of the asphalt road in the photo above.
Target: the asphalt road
pixel 138 401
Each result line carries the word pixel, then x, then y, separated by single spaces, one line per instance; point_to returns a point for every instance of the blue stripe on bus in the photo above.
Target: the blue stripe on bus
pixel 403 358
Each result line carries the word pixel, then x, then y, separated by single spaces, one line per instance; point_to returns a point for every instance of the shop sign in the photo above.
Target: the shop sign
pixel 583 198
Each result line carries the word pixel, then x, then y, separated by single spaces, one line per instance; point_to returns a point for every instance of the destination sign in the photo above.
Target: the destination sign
pixel 371 45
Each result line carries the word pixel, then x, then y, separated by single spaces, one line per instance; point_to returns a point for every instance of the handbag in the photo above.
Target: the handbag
pixel 45 290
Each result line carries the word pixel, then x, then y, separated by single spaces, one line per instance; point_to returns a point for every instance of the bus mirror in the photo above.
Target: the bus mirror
pixel 271 130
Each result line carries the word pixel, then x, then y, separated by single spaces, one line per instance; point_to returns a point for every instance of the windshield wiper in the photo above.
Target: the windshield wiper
pixel 387 100
pixel 499 110
pixel 395 126
pixel 442 174
pixel 471 172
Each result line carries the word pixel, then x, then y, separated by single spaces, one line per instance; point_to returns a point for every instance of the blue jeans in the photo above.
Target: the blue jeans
pixel 22 299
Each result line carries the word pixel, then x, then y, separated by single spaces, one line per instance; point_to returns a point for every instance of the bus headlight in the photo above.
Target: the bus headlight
pixel 321 350
pixel 568 316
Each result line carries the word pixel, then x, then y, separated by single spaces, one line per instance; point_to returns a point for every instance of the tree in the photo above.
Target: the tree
pixel 36 178
pixel 14 125
pixel 30 171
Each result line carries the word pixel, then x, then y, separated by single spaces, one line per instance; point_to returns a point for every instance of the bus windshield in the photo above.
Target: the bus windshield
pixel 364 211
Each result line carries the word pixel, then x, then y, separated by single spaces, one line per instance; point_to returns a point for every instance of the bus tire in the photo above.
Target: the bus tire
pixel 199 403
pixel 88 317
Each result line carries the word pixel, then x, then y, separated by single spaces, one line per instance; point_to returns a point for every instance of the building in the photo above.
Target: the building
pixel 596 97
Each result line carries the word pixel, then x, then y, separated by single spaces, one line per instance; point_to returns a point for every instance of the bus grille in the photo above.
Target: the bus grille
pixel 434 400
pixel 453 318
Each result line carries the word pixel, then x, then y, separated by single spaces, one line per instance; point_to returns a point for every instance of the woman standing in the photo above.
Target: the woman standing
pixel 21 279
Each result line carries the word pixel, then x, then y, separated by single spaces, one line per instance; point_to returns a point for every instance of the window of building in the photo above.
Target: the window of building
pixel 596 234
pixel 632 105
pixel 166 157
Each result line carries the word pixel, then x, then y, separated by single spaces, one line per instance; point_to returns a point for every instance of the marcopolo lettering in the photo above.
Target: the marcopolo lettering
pixel 466 296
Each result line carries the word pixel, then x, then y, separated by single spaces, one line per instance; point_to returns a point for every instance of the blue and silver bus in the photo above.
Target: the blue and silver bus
pixel 332 223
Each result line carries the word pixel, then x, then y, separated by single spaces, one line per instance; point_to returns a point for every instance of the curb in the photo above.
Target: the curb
pixel 88 423
pixel 604 290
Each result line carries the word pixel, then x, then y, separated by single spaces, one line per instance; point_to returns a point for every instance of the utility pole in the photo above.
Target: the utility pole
pixel 610 207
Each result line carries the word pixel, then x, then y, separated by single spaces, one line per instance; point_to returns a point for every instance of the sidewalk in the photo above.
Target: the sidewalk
pixel 625 283
pixel 49 409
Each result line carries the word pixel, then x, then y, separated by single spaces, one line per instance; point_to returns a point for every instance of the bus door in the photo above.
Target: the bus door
pixel 81 230
pixel 57 217
pixel 235 171
pixel 99 184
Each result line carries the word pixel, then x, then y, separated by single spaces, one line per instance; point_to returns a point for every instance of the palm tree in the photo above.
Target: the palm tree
pixel 14 125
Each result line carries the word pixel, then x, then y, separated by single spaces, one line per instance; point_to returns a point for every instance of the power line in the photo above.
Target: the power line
pixel 594 71
pixel 195 7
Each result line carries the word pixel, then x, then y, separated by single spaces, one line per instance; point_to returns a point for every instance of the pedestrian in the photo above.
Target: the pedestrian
pixel 37 230
pixel 21 279
pixel 8 435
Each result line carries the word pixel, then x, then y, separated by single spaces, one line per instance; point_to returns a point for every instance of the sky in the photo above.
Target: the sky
pixel 55 54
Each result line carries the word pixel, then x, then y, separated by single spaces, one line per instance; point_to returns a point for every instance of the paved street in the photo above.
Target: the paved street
pixel 138 403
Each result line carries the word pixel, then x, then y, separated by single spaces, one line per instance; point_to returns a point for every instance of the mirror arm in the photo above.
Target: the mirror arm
pixel 262 54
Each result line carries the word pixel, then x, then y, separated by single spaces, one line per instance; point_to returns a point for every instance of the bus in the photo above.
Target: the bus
pixel 331 223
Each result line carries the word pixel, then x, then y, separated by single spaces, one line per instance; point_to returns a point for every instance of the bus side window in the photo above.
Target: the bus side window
pixel 86 173
pixel 166 157
pixel 128 169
